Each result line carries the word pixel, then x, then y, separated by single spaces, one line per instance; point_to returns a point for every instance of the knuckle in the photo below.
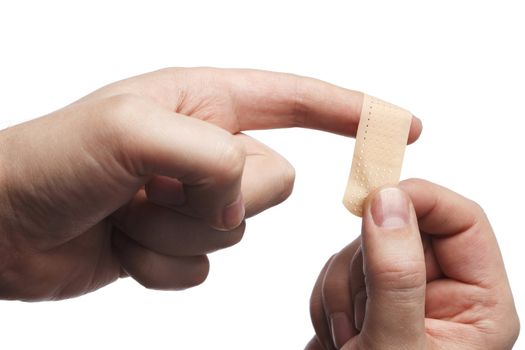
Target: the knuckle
pixel 125 105
pixel 477 209
pixel 119 121
pixel 119 115
pixel 403 278
pixel 300 104
pixel 172 74
pixel 477 218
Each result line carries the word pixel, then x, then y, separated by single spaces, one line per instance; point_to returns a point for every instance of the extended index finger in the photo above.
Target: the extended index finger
pixel 247 99
pixel 268 100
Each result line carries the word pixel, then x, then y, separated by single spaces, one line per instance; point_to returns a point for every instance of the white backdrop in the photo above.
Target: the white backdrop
pixel 458 65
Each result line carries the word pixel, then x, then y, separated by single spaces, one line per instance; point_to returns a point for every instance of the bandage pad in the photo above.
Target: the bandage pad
pixel 380 145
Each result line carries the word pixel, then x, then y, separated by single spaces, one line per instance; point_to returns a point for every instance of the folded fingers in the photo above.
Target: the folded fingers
pixel 331 305
pixel 168 232
pixel 158 271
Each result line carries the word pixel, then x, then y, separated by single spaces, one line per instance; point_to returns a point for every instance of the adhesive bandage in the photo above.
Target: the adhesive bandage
pixel 381 139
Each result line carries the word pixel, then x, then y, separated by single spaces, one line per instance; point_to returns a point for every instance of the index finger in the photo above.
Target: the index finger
pixel 463 241
pixel 247 99
pixel 268 100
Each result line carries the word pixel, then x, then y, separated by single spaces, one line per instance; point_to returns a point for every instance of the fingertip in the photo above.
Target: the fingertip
pixel 416 128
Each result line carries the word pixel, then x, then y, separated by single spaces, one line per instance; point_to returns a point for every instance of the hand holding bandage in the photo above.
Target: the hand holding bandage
pixel 426 272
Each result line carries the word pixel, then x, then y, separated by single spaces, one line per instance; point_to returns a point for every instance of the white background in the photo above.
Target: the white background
pixel 458 65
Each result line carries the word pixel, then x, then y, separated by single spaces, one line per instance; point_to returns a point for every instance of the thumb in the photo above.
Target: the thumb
pixel 394 266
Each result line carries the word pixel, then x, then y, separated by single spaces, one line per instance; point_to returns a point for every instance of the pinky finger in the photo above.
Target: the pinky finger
pixel 158 271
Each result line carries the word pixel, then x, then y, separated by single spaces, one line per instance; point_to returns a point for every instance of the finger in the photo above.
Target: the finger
pixel 165 191
pixel 268 100
pixel 314 344
pixel 464 244
pixel 268 178
pixel 358 289
pixel 317 313
pixel 167 232
pixel 447 299
pixel 206 159
pixel 337 302
pixel 395 272
pixel 253 99
pixel 432 266
pixel 157 271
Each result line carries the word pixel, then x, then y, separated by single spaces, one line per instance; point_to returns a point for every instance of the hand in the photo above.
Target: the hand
pixel 396 288
pixel 123 182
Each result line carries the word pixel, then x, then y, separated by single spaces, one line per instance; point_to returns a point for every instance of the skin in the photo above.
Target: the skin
pixel 146 176
pixel 436 281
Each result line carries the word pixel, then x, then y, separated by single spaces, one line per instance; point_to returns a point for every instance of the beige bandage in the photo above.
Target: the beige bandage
pixel 378 155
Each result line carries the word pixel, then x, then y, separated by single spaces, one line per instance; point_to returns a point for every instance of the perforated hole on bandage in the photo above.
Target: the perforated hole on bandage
pixel 380 145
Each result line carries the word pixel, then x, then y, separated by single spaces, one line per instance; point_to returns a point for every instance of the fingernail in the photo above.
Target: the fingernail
pixel 233 214
pixel 341 328
pixel 390 208
pixel 359 309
